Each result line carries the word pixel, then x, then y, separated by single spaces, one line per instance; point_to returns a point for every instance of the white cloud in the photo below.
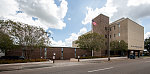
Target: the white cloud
pixel 147 35
pixel 8 7
pixel 133 9
pixel 68 41
pixel 136 3
pixel 74 36
pixel 48 13
pixel 59 43
pixel 108 10
pixel 69 19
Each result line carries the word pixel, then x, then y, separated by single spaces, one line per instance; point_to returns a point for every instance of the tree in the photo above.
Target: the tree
pixel 114 45
pixel 6 43
pixel 91 41
pixel 147 44
pixel 119 46
pixel 25 35
pixel 123 45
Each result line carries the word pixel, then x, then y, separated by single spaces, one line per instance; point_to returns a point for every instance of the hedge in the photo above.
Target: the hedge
pixel 21 61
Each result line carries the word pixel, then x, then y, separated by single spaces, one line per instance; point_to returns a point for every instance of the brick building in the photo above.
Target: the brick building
pixel 122 29
pixel 47 53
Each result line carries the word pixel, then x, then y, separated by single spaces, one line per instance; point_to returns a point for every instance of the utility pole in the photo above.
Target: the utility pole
pixel 108 43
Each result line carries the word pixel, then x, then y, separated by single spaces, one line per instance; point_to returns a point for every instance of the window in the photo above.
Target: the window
pixel 114 35
pixel 61 52
pixel 114 27
pixel 75 52
pixel 105 43
pixel 119 34
pixel 105 36
pixel 105 28
pixel 119 25
pixel 110 29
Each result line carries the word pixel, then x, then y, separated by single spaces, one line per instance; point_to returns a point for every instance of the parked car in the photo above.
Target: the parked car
pixel 132 57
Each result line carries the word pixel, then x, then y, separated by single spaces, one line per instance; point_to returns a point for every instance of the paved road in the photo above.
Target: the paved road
pixel 122 66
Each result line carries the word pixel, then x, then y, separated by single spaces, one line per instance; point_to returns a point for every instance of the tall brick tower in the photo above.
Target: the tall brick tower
pixel 102 22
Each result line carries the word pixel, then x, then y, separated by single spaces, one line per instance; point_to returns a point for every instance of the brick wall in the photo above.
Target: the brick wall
pixel 101 27
pixel 61 53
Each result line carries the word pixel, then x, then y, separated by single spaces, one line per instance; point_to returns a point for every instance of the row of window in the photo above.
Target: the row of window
pixel 114 35
pixel 113 27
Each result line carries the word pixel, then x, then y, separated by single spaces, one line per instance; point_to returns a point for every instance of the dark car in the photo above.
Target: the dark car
pixel 132 57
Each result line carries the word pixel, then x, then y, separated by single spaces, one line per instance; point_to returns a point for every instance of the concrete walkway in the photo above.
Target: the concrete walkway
pixel 19 66
pixel 58 63
pixel 94 59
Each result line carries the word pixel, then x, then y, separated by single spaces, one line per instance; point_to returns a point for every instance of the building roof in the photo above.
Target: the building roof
pixel 119 20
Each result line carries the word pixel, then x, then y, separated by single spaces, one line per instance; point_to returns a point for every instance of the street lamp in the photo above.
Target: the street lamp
pixel 78 58
pixel 54 54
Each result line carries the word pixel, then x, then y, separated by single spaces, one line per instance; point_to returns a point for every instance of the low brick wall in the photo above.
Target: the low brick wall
pixel 61 53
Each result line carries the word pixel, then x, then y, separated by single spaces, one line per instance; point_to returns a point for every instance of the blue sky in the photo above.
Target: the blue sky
pixel 68 19
pixel 76 11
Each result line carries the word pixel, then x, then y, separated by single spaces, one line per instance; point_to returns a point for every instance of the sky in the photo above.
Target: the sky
pixel 68 19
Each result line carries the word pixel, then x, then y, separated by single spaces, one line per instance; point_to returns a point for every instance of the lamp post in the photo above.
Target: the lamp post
pixel 78 58
pixel 108 44
pixel 54 57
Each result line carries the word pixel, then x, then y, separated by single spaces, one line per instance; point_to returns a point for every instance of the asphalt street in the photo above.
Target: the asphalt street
pixel 122 66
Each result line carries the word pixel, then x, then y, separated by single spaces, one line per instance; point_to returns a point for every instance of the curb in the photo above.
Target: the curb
pixel 19 66
pixel 95 59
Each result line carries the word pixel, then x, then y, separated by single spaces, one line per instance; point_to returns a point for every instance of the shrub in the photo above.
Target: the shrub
pixel 22 61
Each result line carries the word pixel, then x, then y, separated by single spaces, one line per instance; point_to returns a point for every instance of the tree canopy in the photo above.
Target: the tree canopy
pixel 91 41
pixel 24 35
pixel 147 44
pixel 6 43
pixel 116 45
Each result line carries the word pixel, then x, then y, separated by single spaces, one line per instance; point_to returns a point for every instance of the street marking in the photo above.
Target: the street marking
pixel 101 69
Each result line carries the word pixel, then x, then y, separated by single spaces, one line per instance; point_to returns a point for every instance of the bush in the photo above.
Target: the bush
pixel 37 60
pixel 22 61
pixel 115 55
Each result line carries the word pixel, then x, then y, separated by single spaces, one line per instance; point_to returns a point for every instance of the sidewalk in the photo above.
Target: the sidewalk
pixel 95 59
pixel 58 63
pixel 29 65
pixel 32 65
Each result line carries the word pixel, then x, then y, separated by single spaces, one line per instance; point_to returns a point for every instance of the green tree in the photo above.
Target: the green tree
pixel 91 41
pixel 6 43
pixel 147 44
pixel 26 36
pixel 114 45
pixel 119 46
pixel 123 45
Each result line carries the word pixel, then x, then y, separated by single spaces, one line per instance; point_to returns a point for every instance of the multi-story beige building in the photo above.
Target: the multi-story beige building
pixel 129 31
pixel 122 29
